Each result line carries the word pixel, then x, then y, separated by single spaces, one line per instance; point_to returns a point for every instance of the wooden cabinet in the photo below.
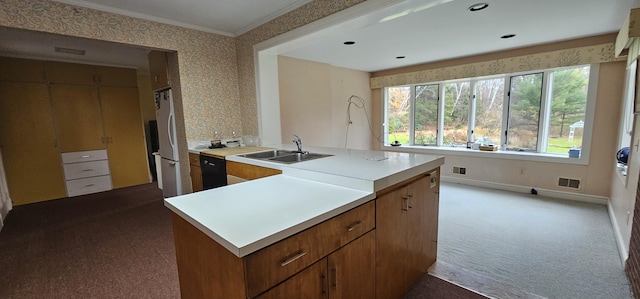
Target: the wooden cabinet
pixel 78 117
pixel 70 73
pixel 29 147
pixel 249 172
pixel 196 172
pixel 82 108
pixel 377 250
pixel 346 273
pixel 158 70
pixel 405 245
pixel 22 70
pixel 262 270
pixel 114 76
pixel 124 132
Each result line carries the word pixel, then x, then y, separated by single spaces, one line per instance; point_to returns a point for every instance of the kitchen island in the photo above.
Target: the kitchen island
pixel 321 229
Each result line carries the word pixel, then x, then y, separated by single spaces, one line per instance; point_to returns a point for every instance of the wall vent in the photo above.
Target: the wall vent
pixel 569 183
pixel 459 170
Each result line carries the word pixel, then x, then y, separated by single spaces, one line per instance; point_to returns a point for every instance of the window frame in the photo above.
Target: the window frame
pixel 439 149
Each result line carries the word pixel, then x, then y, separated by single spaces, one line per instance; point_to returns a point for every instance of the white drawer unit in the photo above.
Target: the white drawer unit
pixel 86 172
pixel 86 169
pixel 88 185
pixel 75 157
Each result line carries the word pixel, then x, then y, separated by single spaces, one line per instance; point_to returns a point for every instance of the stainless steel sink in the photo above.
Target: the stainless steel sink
pixel 298 157
pixel 284 156
pixel 269 154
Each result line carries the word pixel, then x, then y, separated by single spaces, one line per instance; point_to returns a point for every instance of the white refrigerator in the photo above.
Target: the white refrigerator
pixel 168 146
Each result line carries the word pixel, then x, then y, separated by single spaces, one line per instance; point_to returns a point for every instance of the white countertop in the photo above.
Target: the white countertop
pixel 252 215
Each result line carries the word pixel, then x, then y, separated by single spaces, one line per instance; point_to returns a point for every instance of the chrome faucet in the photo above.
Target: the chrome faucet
pixel 298 143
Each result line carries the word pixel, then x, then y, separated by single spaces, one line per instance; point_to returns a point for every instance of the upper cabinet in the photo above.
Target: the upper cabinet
pixel 78 117
pixel 158 70
pixel 119 77
pixel 22 70
pixel 71 73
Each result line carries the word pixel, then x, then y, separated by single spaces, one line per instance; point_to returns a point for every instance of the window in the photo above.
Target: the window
pixel 540 112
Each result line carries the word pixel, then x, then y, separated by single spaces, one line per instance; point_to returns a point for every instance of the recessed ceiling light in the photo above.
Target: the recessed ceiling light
pixel 70 51
pixel 478 7
pixel 508 36
pixel 400 57
pixel 349 43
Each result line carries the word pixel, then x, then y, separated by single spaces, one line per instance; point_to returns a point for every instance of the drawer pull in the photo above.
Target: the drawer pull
pixel 88 169
pixel 293 258
pixel 86 156
pixel 90 185
pixel 354 226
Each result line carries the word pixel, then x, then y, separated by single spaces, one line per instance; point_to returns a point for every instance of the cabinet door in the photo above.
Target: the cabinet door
pixel 115 76
pixel 28 139
pixel 70 73
pixel 77 115
pixel 421 203
pixel 125 132
pixel 158 69
pixel 310 283
pixel 397 243
pixel 196 178
pixel 22 70
pixel 352 269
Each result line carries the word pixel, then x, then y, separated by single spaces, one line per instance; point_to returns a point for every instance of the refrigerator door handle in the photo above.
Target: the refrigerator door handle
pixel 173 148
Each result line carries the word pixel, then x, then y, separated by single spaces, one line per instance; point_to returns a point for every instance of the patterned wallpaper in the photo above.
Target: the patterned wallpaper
pixel 560 58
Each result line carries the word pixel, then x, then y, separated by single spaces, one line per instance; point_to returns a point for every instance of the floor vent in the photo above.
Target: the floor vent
pixel 459 170
pixel 569 183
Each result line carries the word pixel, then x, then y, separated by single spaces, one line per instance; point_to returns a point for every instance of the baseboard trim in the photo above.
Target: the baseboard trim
pixel 523 189
pixel 622 249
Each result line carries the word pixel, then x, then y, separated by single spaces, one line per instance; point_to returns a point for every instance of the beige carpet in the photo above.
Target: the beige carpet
pixel 549 247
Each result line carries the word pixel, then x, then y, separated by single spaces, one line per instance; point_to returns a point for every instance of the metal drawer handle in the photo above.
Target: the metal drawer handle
pixel 86 156
pixel 354 226
pixel 90 169
pixel 90 185
pixel 293 258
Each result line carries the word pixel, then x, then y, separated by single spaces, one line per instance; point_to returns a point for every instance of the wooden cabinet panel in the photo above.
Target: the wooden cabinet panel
pixel 310 283
pixel 70 73
pixel 158 70
pixel 28 139
pixel 22 70
pixel 250 172
pixel 281 260
pixel 78 117
pixel 403 236
pixel 125 132
pixel 196 172
pixel 352 269
pixel 115 76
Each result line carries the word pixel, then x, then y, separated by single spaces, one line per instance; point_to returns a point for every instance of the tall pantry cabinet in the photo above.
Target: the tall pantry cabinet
pixel 69 129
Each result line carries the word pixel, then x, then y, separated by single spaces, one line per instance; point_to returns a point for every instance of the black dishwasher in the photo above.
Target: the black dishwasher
pixel 214 172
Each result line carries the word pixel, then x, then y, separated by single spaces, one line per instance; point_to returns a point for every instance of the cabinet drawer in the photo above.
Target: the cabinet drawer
pixel 84 156
pixel 273 264
pixel 86 169
pixel 194 159
pixel 88 185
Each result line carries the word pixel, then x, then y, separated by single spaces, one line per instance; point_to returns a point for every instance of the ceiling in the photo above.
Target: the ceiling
pixel 420 30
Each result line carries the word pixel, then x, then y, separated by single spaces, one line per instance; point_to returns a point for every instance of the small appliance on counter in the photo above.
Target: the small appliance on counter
pixel 231 142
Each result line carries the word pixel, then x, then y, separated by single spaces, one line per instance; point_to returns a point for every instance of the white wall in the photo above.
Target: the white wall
pixel 5 200
pixel 313 104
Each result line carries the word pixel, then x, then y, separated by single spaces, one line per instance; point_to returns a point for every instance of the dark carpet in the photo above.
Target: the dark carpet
pixel 116 244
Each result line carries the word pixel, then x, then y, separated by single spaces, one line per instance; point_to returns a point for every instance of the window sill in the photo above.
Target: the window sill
pixel 499 154
pixel 621 170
